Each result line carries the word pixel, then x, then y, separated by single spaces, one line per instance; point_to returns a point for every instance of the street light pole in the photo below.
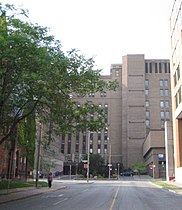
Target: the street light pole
pixel 88 157
pixel 118 171
pixel 109 141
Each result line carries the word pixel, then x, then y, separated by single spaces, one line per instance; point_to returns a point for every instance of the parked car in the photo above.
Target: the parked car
pixel 127 173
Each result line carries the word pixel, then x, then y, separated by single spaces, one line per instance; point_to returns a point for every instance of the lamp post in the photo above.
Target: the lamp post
pixel 70 171
pixel 109 165
pixel 118 171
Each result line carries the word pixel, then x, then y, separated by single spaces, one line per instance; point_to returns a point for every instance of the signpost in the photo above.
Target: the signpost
pixel 110 165
pixel 152 166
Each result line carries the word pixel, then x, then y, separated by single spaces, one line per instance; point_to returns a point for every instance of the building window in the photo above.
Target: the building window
pixel 84 144
pixel 117 73
pixel 161 104
pixel 167 114
pixel 175 81
pixel 146 67
pixel 166 104
pixel 147 103
pixel 146 83
pixel 99 136
pixel 69 142
pixel 178 96
pixel 156 68
pixel 147 114
pixel 161 82
pixel 162 123
pixel 62 148
pixel 166 92
pixel 162 114
pixel 160 68
pixel 69 146
pixel 103 94
pixel 166 82
pixel 106 106
pixel 98 151
pixel 165 67
pixel 147 92
pixel 77 142
pixel 91 94
pixel 150 67
pixel 161 92
pixel 147 122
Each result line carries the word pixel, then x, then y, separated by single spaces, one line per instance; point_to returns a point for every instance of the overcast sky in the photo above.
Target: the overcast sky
pixel 105 29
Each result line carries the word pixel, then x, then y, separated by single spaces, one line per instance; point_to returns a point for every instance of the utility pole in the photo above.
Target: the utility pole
pixel 88 157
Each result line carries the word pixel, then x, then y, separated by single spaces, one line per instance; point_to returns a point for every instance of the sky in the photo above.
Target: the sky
pixel 105 29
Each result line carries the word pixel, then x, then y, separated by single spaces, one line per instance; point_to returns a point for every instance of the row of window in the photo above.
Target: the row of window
pixel 147 122
pixel 178 96
pixel 157 67
pixel 162 82
pixel 163 104
pixel 177 76
pixel 102 94
pixel 162 92
pixel 83 147
pixel 163 114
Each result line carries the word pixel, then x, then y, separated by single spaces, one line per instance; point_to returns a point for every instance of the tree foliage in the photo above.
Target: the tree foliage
pixel 37 76
pixel 96 166
pixel 27 136
pixel 139 166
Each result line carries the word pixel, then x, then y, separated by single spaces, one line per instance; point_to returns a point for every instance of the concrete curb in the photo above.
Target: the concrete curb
pixel 177 191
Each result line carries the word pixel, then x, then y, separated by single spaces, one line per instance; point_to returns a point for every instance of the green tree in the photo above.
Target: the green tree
pixel 96 164
pixel 26 139
pixel 37 76
pixel 139 166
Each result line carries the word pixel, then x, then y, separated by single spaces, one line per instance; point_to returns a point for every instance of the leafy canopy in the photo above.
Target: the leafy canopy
pixel 36 75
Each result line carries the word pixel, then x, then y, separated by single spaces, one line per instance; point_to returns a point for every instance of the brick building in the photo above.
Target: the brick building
pixel 176 83
pixel 141 103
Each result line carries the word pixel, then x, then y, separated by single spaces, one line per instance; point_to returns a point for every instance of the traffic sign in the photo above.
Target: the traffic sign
pixel 85 166
pixel 152 166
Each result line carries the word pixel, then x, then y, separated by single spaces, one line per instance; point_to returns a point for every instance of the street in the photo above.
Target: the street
pixel 102 195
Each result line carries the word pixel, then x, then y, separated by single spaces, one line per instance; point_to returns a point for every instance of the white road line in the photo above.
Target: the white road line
pixel 60 201
pixel 85 190
pixel 60 195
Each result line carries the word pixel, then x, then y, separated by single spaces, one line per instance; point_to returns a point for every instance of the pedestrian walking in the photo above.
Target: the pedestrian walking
pixel 50 178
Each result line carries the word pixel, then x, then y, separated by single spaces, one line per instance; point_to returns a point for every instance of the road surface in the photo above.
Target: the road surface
pixel 113 195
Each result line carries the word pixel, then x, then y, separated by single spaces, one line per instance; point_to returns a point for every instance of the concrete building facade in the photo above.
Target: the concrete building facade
pixel 140 104
pixel 176 83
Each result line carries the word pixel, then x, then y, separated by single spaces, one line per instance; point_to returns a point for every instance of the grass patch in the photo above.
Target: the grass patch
pixel 19 184
pixel 166 185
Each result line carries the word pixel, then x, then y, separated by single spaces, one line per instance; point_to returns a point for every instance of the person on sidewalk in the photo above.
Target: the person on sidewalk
pixel 50 178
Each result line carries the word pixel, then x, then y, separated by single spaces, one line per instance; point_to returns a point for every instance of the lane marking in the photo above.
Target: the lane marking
pixel 85 190
pixel 113 202
pixel 60 201
pixel 60 195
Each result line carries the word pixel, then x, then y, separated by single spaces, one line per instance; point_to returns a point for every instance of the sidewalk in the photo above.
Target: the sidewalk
pixel 22 193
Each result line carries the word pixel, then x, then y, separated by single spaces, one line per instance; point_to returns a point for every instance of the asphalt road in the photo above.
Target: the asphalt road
pixel 116 195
